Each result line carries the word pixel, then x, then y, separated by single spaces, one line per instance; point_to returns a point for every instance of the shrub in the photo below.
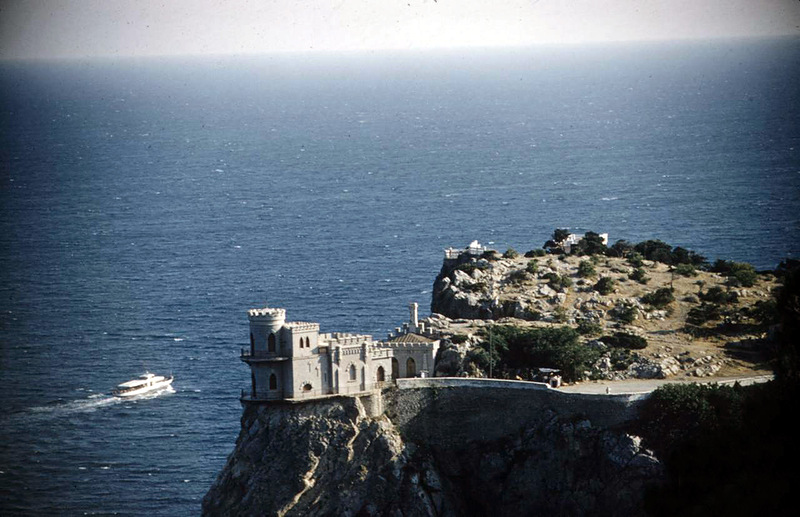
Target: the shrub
pixel 703 313
pixel 659 298
pixel 586 269
pixel 718 295
pixel 765 312
pixel 536 253
pixel 490 255
pixel 605 285
pixel 635 259
pixel 469 267
pixel 558 282
pixel 457 339
pixel 510 253
pixel 517 277
pixel 685 270
pixel 589 328
pixel 639 275
pixel 532 267
pixel 625 340
pixel 625 313
pixel 476 287
pixel 590 244
pixel 738 273
pixel 560 314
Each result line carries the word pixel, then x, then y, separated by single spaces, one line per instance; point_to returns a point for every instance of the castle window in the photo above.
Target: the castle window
pixel 273 382
pixel 308 343
pixel 307 387
pixel 381 374
pixel 411 368
pixel 252 340
pixel 271 343
pixel 395 368
pixel 352 372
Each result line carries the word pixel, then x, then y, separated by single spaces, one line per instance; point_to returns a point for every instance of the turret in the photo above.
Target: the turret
pixel 265 326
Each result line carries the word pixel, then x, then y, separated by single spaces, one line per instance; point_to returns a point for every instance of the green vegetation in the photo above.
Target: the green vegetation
pixel 685 270
pixel 586 269
pixel 621 248
pixel 590 244
pixel 659 298
pixel 625 340
pixel 718 295
pixel 558 282
pixel 703 313
pixel 532 267
pixel 726 449
pixel 490 255
pixel 589 328
pixel 535 253
pixel 639 275
pixel 517 349
pixel 625 313
pixel 457 339
pixel 605 285
pixel 469 267
pixel 560 314
pixel 636 260
pixel 519 276
pixel 510 253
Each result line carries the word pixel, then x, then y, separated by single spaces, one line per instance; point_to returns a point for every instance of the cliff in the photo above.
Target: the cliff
pixel 428 452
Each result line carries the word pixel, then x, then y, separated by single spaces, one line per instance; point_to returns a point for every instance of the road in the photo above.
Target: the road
pixel 648 385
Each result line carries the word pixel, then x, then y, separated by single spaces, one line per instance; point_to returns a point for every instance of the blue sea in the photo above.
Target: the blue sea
pixel 146 204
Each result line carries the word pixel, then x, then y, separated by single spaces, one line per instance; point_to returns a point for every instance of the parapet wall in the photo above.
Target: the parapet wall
pixel 447 412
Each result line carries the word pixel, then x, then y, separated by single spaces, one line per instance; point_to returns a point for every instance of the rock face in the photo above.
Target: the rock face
pixel 329 457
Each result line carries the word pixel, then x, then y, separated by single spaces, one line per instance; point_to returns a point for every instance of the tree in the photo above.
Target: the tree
pixel 621 248
pixel 560 235
pixel 586 269
pixel 590 244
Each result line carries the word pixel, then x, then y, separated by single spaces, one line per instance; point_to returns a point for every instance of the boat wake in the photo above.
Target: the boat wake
pixel 93 403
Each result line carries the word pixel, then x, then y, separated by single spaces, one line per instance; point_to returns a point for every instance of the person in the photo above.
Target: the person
pixel 608 390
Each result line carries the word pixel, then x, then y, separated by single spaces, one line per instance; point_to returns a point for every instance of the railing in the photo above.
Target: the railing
pixel 263 355
pixel 254 396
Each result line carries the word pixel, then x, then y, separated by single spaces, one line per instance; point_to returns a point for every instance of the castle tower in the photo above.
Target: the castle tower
pixel 414 308
pixel 268 352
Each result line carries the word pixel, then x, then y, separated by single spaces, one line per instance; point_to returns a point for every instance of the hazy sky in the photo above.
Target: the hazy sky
pixel 74 28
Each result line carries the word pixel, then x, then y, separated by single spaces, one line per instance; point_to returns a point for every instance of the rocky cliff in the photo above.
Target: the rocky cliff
pixel 330 457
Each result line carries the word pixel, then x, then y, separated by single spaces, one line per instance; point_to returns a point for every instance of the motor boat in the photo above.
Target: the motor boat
pixel 145 383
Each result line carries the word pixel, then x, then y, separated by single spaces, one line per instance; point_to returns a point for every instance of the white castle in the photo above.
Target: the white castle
pixel 293 360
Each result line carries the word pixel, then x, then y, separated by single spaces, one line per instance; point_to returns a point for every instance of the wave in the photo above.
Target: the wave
pixel 94 402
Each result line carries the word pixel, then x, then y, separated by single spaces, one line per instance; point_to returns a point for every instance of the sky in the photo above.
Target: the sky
pixel 46 29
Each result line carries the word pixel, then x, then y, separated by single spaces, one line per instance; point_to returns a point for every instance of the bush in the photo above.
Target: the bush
pixel 659 298
pixel 589 328
pixel 685 270
pixel 536 253
pixel 510 253
pixel 469 267
pixel 605 285
pixel 490 255
pixel 532 267
pixel 635 259
pixel 590 244
pixel 518 276
pixel 586 269
pixel 625 313
pixel 639 275
pixel 703 313
pixel 738 273
pixel 457 339
pixel 718 295
pixel 625 340
pixel 560 314
pixel 558 282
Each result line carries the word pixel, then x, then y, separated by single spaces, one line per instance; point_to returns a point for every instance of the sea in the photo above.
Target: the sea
pixel 146 204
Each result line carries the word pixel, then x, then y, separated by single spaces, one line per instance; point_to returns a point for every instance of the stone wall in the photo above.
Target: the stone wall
pixel 447 412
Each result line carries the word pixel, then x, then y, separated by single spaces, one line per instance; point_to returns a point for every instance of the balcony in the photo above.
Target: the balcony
pixel 260 356
pixel 249 395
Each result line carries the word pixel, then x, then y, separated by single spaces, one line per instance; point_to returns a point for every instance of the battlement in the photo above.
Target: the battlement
pixel 344 339
pixel 302 326
pixel 266 314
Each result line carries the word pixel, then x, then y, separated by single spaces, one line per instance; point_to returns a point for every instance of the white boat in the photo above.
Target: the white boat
pixel 145 383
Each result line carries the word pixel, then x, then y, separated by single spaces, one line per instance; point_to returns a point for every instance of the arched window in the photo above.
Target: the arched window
pixel 271 343
pixel 381 377
pixel 273 382
pixel 252 340
pixel 352 372
pixel 411 368
pixel 308 343
pixel 307 387
pixel 395 368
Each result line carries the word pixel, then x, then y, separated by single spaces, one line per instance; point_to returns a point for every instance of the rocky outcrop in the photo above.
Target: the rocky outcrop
pixel 328 457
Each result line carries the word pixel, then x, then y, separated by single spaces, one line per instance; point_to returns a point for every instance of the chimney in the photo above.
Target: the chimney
pixel 414 314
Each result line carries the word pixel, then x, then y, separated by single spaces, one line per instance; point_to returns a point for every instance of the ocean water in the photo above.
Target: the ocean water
pixel 146 204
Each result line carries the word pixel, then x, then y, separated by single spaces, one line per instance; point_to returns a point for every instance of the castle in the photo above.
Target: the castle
pixel 293 360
